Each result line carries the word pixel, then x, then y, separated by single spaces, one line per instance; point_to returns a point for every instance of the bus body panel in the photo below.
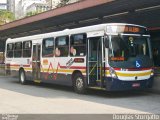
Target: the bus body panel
pixel 60 70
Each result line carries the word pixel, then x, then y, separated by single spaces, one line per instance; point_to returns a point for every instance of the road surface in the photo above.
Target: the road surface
pixel 52 99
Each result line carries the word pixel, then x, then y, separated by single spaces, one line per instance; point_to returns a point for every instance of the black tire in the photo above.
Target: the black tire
pixel 79 84
pixel 22 77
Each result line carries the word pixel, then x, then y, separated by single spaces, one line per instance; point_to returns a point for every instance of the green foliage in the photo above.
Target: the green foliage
pixel 32 13
pixel 6 16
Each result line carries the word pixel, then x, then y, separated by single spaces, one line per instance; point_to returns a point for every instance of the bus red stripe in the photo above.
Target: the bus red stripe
pixel 16 65
pixel 134 69
pixel 130 69
pixel 74 67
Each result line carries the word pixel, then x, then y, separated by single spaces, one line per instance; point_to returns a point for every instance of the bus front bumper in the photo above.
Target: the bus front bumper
pixel 113 84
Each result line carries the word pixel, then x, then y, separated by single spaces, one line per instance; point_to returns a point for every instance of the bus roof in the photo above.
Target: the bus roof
pixel 64 32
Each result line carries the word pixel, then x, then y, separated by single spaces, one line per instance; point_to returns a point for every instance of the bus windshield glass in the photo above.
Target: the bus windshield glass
pixel 128 46
pixel 125 50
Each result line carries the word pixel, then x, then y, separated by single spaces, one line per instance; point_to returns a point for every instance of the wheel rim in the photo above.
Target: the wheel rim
pixel 22 77
pixel 79 83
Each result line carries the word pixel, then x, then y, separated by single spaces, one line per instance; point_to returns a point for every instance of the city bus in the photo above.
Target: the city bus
pixel 111 57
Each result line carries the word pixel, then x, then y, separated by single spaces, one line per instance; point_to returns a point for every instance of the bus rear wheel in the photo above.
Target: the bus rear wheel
pixel 22 77
pixel 79 84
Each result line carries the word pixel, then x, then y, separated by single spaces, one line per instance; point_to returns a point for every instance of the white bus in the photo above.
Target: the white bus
pixel 110 57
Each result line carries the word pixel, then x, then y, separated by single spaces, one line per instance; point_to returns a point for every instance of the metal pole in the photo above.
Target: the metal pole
pixel 88 67
pixel 51 4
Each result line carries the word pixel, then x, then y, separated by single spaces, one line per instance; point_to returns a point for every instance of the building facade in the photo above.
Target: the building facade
pixel 23 4
pixel 3 5
pixel 38 8
pixel 11 5
pixel 53 3
pixel 20 8
pixel 73 1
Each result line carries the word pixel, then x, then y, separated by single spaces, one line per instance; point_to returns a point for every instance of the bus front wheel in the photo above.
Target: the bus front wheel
pixel 79 84
pixel 22 77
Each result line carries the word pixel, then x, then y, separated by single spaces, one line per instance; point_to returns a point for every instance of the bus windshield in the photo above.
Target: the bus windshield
pixel 128 48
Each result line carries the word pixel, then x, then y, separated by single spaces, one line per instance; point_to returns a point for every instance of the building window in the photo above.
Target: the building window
pixel 10 48
pixel 48 47
pixel 18 50
pixel 78 45
pixel 27 47
pixel 62 46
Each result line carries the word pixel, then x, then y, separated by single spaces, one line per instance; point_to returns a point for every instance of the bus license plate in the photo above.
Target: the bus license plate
pixel 136 85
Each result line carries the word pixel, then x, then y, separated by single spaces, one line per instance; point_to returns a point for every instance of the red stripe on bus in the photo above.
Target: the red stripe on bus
pixel 74 67
pixel 13 65
pixel 16 65
pixel 133 69
pixel 77 67
pixel 26 65
pixel 130 69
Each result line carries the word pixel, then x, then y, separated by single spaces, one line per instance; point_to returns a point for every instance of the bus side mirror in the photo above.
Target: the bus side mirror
pixel 106 42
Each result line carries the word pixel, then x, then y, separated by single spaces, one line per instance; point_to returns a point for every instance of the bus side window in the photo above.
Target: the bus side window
pixel 10 47
pixel 48 47
pixel 78 45
pixel 18 50
pixel 27 47
pixel 62 46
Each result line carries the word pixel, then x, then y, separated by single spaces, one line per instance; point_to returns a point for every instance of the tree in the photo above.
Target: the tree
pixel 62 3
pixel 6 16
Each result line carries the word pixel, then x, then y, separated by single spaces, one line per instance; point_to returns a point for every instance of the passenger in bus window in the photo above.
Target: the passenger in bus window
pixel 73 51
pixel 57 52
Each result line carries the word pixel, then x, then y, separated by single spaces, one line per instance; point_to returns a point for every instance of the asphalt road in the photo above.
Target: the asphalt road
pixel 52 99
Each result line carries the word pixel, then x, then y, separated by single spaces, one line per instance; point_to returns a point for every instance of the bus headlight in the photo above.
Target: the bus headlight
pixel 112 73
pixel 152 72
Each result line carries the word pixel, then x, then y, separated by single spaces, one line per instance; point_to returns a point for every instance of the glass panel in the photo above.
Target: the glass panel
pixel 18 50
pixel 128 46
pixel 27 46
pixel 62 46
pixel 10 47
pixel 61 41
pixel 18 46
pixel 48 47
pixel 127 51
pixel 78 45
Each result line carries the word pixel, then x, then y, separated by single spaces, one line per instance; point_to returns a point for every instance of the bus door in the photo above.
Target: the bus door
pixel 36 62
pixel 95 63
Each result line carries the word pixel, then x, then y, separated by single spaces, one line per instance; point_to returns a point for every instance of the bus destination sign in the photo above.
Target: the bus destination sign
pixel 126 29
